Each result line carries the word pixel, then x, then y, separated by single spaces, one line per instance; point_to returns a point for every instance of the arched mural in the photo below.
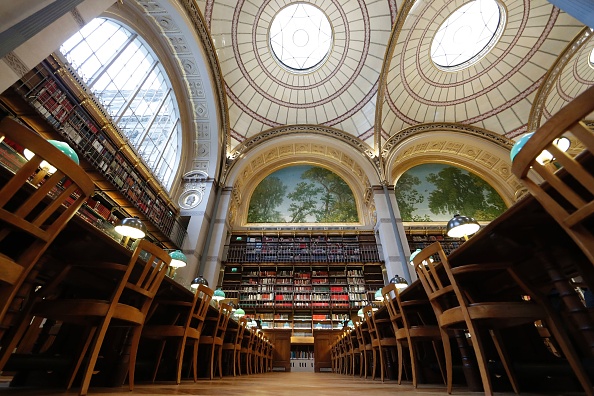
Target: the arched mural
pixel 302 194
pixel 436 192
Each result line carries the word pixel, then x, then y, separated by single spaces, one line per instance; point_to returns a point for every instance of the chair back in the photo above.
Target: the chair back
pixel 144 274
pixel 391 296
pixel 225 311
pixel 371 327
pixel 202 300
pixel 31 216
pixel 359 332
pixel 568 194
pixel 442 293
pixel 242 323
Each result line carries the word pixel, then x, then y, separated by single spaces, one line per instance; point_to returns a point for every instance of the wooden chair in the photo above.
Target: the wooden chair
pixel 126 304
pixel 30 217
pixel 213 336
pixel 364 345
pixel 247 349
pixel 354 354
pixel 410 326
pixel 458 306
pixel 569 200
pixel 232 345
pixel 184 326
pixel 380 340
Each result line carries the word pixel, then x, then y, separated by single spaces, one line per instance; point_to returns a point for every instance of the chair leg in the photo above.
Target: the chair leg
pixel 136 332
pixel 156 370
pixel 180 360
pixel 445 339
pixel 381 354
pixel 212 362
pixel 440 361
pixel 220 361
pixel 481 358
pixel 374 365
pixel 195 360
pixel 401 364
pixel 504 356
pixel 96 347
pixel 90 334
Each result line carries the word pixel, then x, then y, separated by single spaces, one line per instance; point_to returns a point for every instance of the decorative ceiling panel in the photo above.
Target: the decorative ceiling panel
pixel 262 94
pixel 495 93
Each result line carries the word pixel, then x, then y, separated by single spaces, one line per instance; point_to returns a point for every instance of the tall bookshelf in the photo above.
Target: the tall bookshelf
pixel 63 102
pixel 302 282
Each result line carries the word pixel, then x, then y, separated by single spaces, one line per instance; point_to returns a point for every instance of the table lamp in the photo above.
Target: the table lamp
pixel 378 295
pixel 462 226
pixel 545 157
pixel 218 296
pixel 360 313
pixel 199 280
pixel 239 312
pixel 178 260
pixel 46 167
pixel 399 281
pixel 130 227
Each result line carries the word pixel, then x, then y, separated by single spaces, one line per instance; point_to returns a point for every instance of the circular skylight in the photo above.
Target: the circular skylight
pixel 300 37
pixel 467 34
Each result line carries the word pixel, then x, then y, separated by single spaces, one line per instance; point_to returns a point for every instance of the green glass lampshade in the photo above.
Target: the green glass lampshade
pixel 412 256
pixel 218 295
pixel 239 312
pixel 199 280
pixel 318 326
pixel 519 144
pixel 351 324
pixel 399 281
pixel 178 259
pixel 131 227
pixel 62 146
pixel 378 295
pixel 545 156
pixel 360 313
pixel 462 226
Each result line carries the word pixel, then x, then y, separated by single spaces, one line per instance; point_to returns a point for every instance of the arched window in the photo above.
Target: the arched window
pixel 127 78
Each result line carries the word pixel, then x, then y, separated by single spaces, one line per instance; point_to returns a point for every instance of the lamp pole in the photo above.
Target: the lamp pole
pixel 405 270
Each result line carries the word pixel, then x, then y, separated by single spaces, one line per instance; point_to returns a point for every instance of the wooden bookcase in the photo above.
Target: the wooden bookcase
pixel 63 103
pixel 302 282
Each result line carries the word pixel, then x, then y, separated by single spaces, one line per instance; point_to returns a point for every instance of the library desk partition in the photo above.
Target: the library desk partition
pixel 546 259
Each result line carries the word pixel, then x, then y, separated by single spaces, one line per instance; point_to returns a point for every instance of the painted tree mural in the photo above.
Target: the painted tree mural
pixel 435 192
pixel 315 194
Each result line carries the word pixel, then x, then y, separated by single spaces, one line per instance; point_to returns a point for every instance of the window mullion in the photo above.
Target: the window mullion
pixel 162 156
pixel 154 117
pixel 101 71
pixel 134 93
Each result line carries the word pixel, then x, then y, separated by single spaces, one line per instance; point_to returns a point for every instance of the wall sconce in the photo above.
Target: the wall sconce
pixel 462 226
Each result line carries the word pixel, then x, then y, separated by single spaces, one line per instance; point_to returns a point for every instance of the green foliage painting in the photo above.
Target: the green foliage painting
pixel 436 192
pixel 302 194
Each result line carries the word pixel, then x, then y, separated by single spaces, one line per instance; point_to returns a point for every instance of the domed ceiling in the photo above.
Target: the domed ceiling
pixel 339 93
pixel 386 52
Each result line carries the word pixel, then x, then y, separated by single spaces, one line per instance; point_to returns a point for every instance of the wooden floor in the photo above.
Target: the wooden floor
pixel 273 384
